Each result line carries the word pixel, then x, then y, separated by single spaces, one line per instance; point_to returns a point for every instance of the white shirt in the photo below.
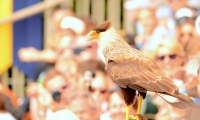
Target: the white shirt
pixel 6 116
pixel 61 115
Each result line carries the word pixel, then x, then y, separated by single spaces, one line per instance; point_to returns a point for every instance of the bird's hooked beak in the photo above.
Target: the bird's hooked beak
pixel 92 35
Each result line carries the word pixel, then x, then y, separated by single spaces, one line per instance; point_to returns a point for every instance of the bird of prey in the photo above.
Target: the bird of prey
pixel 135 72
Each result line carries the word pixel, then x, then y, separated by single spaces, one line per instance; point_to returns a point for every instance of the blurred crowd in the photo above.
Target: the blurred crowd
pixel 71 83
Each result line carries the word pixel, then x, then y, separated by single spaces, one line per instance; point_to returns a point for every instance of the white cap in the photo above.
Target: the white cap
pixel 138 4
pixel 77 25
pixel 183 12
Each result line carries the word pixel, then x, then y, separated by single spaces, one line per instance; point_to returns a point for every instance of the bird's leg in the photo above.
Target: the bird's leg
pixel 130 117
pixel 127 111
pixel 139 104
pixel 138 109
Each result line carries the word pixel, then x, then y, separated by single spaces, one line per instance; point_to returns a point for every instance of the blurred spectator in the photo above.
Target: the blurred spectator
pixel 4 114
pixel 13 98
pixel 57 84
pixel 168 112
pixel 150 26
pixel 164 112
pixel 166 20
pixel 87 69
pixel 69 67
pixel 82 104
pixel 146 19
pixel 87 50
pixel 186 32
pixel 193 65
pixel 57 44
pixel 173 5
pixel 117 107
pixel 99 90
pixel 52 97
pixel 169 55
pixel 192 48
pixel 94 79
pixel 192 69
pixel 185 14
pixel 58 15
pixel 11 102
pixel 177 4
pixel 152 32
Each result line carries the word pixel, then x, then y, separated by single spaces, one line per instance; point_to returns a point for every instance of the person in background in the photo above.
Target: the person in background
pixel 11 102
pixel 169 55
pixel 152 33
pixel 50 97
pixel 173 6
pixel 4 114
pixel 58 46
pixel 83 105
pixel 69 67
pixel 117 107
pixel 56 43
pixel 98 89
pixel 57 17
pixel 60 42
pixel 88 50
pixel 192 48
pixel 86 70
pixel 57 85
pixel 93 78
pixel 148 26
pixel 192 70
pixel 186 32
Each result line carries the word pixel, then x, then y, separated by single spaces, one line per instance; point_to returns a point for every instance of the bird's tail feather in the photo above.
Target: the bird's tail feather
pixel 179 100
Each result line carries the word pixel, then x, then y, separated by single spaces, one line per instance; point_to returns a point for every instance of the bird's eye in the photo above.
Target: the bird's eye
pixel 97 31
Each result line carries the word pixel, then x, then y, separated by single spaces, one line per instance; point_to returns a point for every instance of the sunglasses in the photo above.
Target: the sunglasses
pixel 102 91
pixel 172 57
pixel 77 51
pixel 57 94
pixel 64 87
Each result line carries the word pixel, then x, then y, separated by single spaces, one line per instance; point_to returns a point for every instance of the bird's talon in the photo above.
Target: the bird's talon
pixel 137 117
pixel 133 118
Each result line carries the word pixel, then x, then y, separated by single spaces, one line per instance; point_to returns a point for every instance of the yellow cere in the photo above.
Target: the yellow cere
pixel 94 35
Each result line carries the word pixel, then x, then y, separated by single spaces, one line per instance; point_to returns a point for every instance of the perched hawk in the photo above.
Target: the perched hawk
pixel 133 71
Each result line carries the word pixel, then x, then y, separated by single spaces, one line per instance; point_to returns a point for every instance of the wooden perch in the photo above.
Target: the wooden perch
pixel 29 11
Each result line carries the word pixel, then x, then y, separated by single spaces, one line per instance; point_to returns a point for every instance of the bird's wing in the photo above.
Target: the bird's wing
pixel 134 74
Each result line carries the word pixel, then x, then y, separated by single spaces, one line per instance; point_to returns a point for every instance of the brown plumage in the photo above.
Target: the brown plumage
pixel 103 27
pixel 133 71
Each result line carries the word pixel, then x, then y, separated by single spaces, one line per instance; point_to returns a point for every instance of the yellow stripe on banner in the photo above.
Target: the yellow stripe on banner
pixel 6 8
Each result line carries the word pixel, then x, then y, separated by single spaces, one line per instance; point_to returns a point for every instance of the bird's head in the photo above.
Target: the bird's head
pixel 101 33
